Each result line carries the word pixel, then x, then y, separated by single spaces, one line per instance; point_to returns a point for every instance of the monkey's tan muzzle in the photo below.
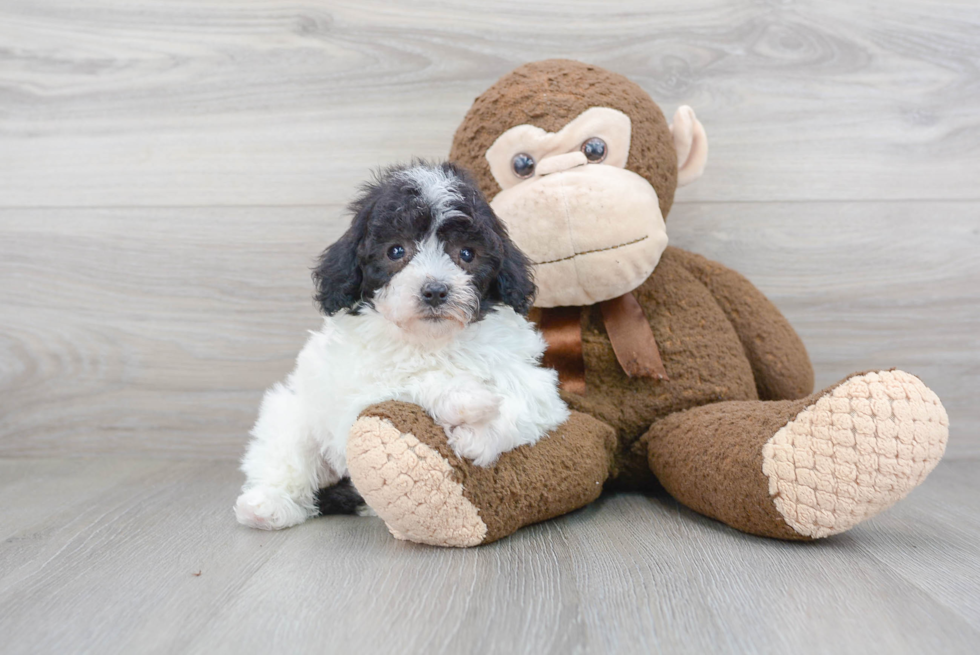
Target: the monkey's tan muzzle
pixel 594 232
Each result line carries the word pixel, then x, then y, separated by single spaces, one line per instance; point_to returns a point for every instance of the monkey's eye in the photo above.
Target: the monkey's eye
pixel 396 252
pixel 523 165
pixel 594 149
pixel 467 255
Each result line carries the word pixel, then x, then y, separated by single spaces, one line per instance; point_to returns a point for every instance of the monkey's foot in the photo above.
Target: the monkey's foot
pixel 858 449
pixel 411 486
pixel 403 467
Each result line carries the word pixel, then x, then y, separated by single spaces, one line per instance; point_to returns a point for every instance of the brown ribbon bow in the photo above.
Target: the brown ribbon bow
pixel 629 332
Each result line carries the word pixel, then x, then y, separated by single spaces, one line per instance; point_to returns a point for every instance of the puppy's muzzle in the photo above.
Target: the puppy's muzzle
pixel 435 294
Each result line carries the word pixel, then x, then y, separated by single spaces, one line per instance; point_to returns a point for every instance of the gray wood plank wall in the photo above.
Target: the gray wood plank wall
pixel 168 170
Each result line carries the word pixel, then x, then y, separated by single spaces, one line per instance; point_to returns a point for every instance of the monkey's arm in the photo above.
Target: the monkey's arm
pixel 780 364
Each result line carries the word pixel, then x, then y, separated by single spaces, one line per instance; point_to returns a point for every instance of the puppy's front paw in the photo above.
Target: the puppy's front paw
pixel 268 509
pixel 473 442
pixel 469 406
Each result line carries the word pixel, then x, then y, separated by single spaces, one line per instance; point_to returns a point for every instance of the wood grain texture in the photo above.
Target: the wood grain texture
pixel 156 330
pixel 115 102
pixel 168 170
pixel 108 564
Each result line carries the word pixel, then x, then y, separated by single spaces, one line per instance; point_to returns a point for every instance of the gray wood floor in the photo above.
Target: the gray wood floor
pixel 168 171
pixel 136 556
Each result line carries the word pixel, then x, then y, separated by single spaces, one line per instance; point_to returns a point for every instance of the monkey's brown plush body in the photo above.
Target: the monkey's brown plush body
pixel 691 377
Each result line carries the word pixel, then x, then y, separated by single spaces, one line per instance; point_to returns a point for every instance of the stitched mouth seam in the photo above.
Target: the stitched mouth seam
pixel 589 252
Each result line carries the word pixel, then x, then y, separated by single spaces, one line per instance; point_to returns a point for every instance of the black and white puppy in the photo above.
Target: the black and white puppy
pixel 425 297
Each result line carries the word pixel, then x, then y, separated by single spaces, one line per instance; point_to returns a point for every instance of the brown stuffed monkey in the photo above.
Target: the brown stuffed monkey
pixel 677 369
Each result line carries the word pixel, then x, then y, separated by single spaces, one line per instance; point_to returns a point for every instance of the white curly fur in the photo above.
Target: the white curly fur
pixel 481 383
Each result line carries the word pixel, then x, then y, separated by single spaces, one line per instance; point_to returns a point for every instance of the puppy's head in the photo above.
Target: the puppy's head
pixel 426 251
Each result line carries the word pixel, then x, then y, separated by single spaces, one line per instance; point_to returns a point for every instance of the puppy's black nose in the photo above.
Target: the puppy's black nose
pixel 434 293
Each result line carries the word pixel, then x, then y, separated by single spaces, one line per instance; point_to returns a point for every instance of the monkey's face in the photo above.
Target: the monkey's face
pixel 593 229
pixel 581 165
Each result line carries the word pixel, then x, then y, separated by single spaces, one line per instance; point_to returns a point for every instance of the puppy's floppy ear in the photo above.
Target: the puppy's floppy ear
pixel 514 284
pixel 337 275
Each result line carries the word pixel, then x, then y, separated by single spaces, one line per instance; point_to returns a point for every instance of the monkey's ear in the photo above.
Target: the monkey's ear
pixel 691 144
pixel 337 275
pixel 514 285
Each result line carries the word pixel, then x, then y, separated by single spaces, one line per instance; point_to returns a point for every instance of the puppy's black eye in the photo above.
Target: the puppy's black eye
pixel 594 149
pixel 523 165
pixel 467 255
pixel 396 252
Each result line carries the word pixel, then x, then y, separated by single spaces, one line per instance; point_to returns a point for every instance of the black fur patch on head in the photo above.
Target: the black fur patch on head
pixel 501 271
pixel 337 276
pixel 395 211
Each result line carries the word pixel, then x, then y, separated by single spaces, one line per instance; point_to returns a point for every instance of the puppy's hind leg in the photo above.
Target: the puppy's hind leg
pixel 283 465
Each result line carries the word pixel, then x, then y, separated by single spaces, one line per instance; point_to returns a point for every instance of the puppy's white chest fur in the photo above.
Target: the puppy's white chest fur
pixel 355 361
pixel 483 385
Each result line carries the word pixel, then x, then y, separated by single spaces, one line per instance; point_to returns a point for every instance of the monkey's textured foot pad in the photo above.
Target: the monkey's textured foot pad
pixel 401 463
pixel 857 450
pixel 411 486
